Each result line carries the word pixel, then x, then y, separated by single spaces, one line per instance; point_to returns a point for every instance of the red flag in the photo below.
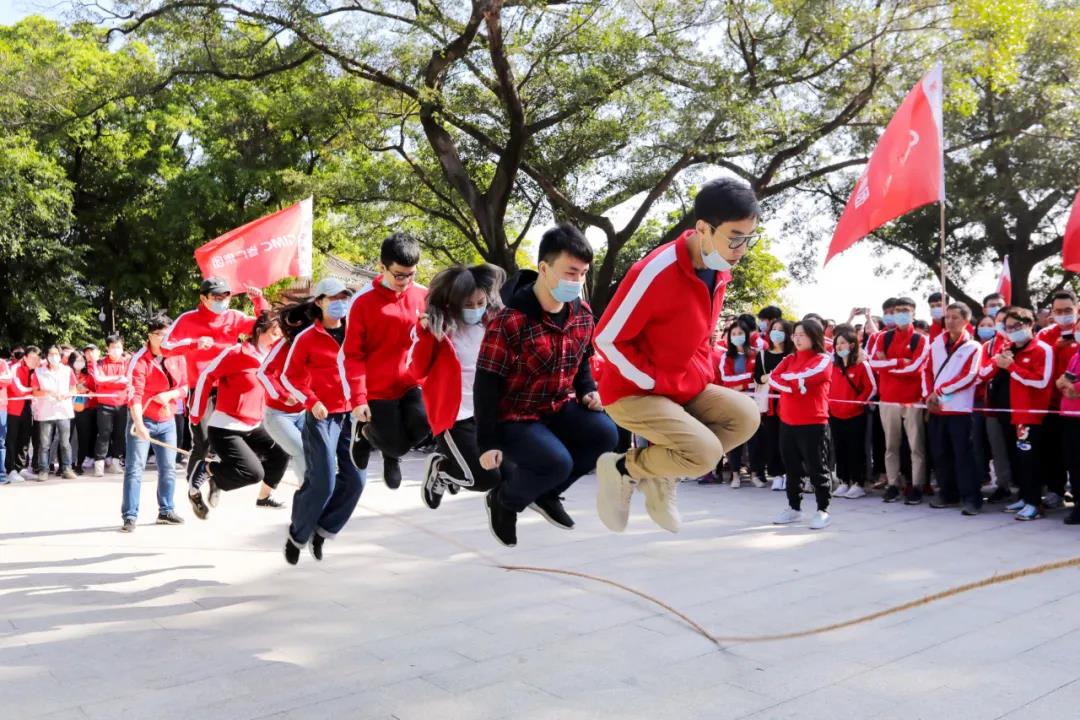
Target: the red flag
pixel 1070 248
pixel 1004 286
pixel 263 251
pixel 906 169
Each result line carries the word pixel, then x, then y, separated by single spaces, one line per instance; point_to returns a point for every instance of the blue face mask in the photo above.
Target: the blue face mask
pixel 992 311
pixel 986 333
pixel 777 336
pixel 937 313
pixel 738 340
pixel 1020 336
pixel 902 319
pixel 889 320
pixel 843 354
pixel 763 325
pixel 337 309
pixel 473 316
pixel 567 291
pixel 219 306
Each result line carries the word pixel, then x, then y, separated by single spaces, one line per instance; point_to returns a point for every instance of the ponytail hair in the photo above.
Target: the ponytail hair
pixel 296 317
pixel 451 288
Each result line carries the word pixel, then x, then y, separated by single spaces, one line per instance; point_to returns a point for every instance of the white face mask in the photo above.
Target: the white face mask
pixel 115 354
pixel 54 360
pixel 713 259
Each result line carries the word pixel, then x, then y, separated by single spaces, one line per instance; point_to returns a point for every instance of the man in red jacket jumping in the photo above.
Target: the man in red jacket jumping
pixel 657 382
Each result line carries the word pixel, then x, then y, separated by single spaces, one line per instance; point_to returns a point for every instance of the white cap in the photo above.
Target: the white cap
pixel 329 286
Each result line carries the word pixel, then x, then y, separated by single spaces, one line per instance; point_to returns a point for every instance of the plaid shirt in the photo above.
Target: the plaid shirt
pixel 542 365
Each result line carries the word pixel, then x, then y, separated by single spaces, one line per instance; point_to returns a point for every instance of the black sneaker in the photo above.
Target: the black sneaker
pixel 892 494
pixel 359 446
pixel 453 488
pixel 432 489
pixel 391 472
pixel 129 525
pixel 269 502
pixel 503 522
pixel 939 503
pixel 552 510
pixel 970 510
pixel 914 497
pixel 317 541
pixel 292 553
pixel 999 495
pixel 198 506
pixel 214 496
pixel 169 518
pixel 1073 518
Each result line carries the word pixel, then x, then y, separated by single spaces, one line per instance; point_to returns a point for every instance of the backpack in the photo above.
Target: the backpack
pixel 888 341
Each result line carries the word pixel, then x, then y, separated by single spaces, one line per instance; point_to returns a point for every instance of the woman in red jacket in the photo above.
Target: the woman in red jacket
pixel 991 432
pixel 852 385
pixel 803 381
pixel 446 345
pixel 768 464
pixel 736 371
pixel 247 455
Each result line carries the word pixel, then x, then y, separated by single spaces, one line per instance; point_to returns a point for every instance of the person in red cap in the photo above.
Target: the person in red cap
pixel 200 335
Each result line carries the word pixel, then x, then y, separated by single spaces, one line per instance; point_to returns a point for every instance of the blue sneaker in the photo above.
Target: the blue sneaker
pixel 1030 512
pixel 1015 507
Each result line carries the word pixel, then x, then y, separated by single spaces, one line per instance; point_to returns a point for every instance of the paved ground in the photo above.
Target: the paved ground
pixel 407 619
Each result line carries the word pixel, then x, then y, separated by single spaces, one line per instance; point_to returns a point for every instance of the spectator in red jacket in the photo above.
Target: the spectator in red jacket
pixel 388 410
pixel 113 384
pixel 157 383
pixel 851 386
pixel 246 454
pixel 312 373
pixel 446 347
pixel 1061 337
pixel 6 375
pixel 768 464
pixel 655 335
pixel 991 432
pixel 736 371
pixel 803 381
pixel 199 335
pixel 19 464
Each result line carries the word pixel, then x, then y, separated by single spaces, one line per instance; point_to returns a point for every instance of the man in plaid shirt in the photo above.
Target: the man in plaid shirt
pixel 535 400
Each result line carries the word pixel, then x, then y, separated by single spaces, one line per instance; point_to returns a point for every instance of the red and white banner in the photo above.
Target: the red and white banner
pixel 262 252
pixel 1004 286
pixel 906 169
pixel 1070 249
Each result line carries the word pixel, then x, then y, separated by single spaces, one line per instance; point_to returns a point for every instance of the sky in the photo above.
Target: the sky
pixel 847 281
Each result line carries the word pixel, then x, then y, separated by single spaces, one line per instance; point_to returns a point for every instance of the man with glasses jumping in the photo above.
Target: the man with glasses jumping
pixel 387 408
pixel 654 336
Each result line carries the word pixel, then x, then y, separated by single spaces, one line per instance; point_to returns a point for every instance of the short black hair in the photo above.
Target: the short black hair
pixel 920 325
pixel 564 238
pixel 889 304
pixel 935 297
pixel 770 312
pixel 114 338
pixel 993 296
pixel 401 248
pixel 903 300
pixel 815 316
pixel 724 200
pixel 33 350
pixel 1063 294
pixel 158 322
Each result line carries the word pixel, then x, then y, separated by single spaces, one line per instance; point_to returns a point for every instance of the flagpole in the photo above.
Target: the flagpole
pixel 944 292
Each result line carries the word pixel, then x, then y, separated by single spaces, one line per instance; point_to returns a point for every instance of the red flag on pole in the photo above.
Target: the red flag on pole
pixel 906 169
pixel 1070 248
pixel 1004 286
pixel 262 252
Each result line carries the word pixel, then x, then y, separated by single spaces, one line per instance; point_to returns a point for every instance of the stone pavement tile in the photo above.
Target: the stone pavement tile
pixel 413 701
pixel 1061 702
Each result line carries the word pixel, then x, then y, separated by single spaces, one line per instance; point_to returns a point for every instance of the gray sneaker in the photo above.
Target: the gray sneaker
pixel 129 525
pixel 169 518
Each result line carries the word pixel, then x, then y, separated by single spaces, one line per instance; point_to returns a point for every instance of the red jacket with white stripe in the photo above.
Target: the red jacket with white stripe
pixel 744 381
pixel 850 387
pixel 20 387
pixel 434 364
pixel 278 396
pixel 900 373
pixel 312 372
pixel 152 376
pixel 182 337
pixel 111 378
pixel 804 380
pixel 1064 347
pixel 654 333
pixel 7 375
pixel 952 372
pixel 1030 383
pixel 240 394
pixel 378 336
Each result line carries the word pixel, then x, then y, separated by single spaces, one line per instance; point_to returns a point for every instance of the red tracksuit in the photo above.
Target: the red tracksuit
pixel 900 373
pixel 312 372
pixel 110 378
pixel 1030 383
pixel 6 378
pixel 240 394
pixel 744 381
pixel 151 376
pixel 849 388
pixel 225 329
pixel 278 396
pixel 803 380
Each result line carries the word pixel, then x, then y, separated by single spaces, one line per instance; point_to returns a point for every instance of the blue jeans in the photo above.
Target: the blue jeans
pixel 547 456
pixel 3 441
pixel 286 430
pixel 332 484
pixel 137 450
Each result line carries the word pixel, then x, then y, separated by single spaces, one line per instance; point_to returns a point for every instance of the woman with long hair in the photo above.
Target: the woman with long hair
pixel 852 385
pixel 768 464
pixel 736 371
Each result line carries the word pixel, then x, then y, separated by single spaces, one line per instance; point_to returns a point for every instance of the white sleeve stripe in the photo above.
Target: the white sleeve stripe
pixel 415 337
pixel 347 393
pixel 873 382
pixel 213 364
pixel 169 344
pixel 969 368
pixel 261 374
pixel 288 361
pixel 134 360
pixel 823 363
pixel 605 341
pixel 781 388
pixel 1047 371
pixel 917 363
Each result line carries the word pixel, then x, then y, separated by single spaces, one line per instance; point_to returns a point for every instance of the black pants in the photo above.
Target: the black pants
pixel 200 444
pixel 877 443
pixel 805 449
pixel 246 457
pixel 183 435
pixel 1070 437
pixel 86 430
pixel 1027 466
pixel 1053 460
pixel 951 445
pixel 849 448
pixel 397 425
pixel 769 460
pixel 19 431
pixel 110 440
pixel 462 463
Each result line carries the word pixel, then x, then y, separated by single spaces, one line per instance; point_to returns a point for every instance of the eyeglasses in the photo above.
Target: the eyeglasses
pixel 402 277
pixel 1014 328
pixel 737 241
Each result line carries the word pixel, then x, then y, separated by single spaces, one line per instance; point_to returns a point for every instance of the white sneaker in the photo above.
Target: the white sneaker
pixel 757 482
pixel 779 483
pixel 787 516
pixel 736 482
pixel 99 468
pixel 114 467
pixel 855 492
pixel 613 493
pixel 660 502
pixel 842 491
pixel 87 463
pixel 820 521
pixel 1015 507
pixel 1052 501
pixel 15 477
pixel 27 473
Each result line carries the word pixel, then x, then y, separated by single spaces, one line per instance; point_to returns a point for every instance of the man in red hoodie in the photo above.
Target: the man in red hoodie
pixel 898 356
pixel 657 383
pixel 112 383
pixel 374 358
pixel 200 335
pixel 1061 337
